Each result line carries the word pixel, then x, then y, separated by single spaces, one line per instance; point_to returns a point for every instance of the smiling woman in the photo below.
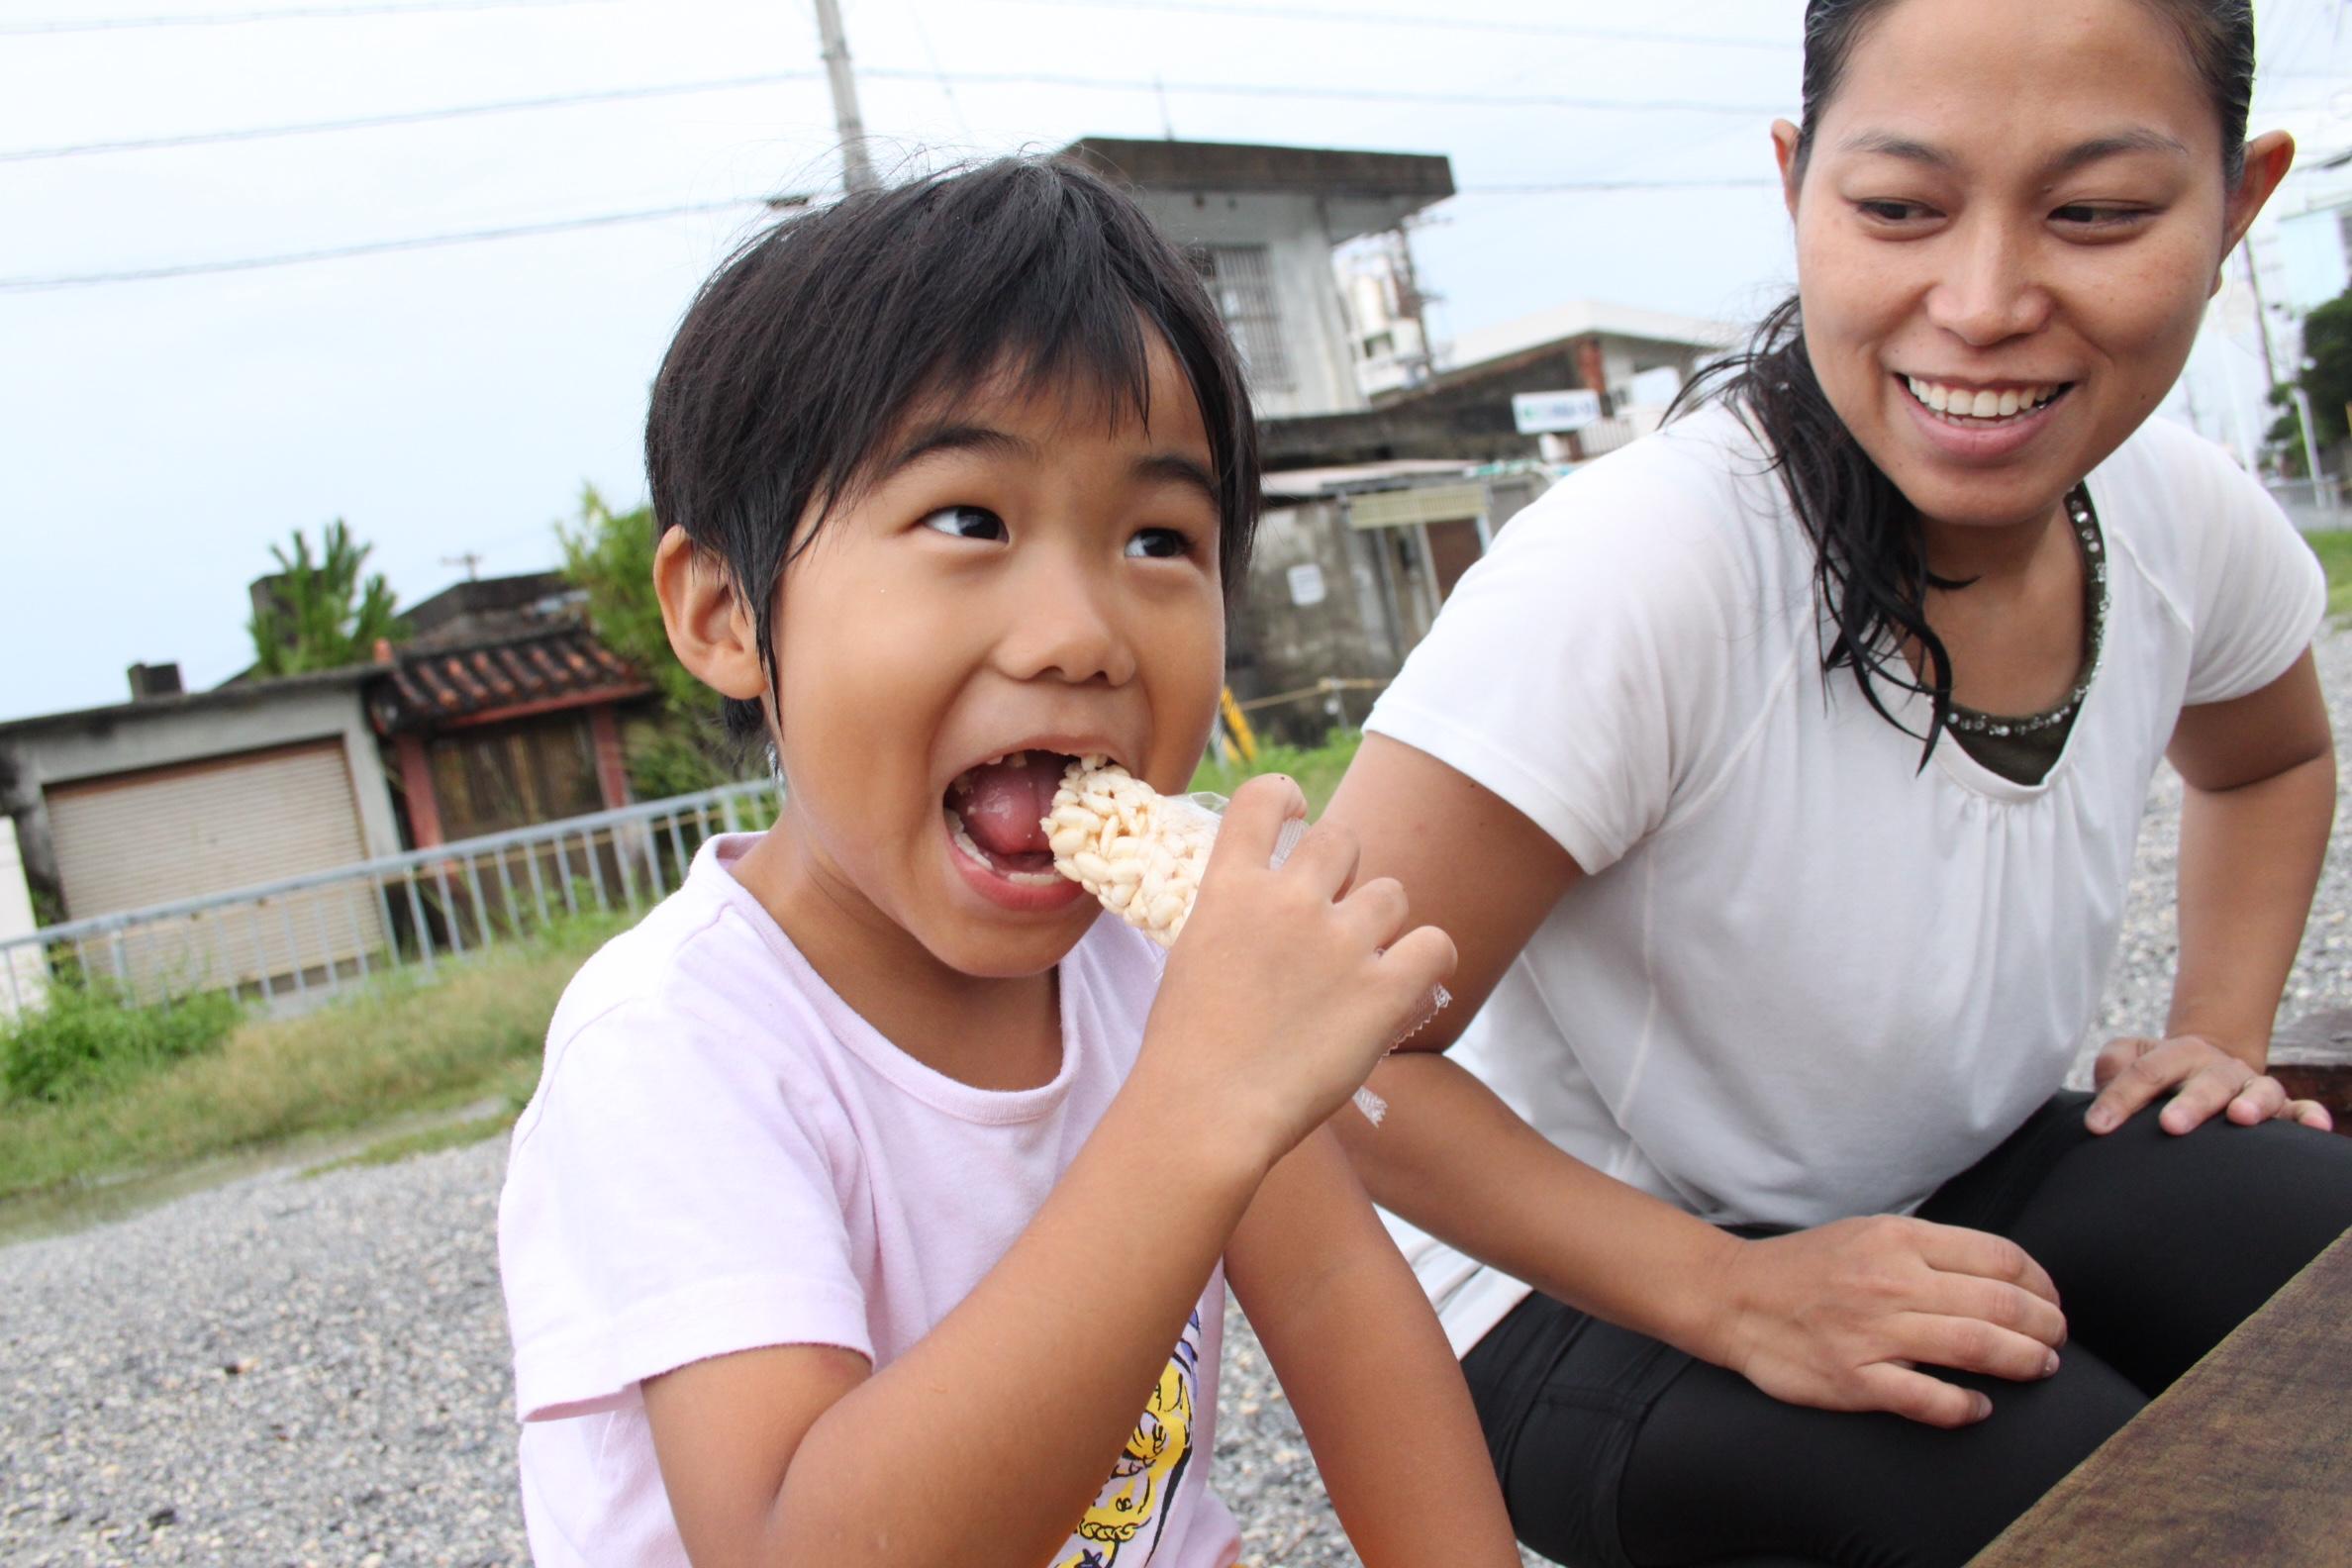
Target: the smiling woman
pixel 1777 778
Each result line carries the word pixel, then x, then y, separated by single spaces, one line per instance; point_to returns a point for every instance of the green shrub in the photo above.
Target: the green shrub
pixel 90 1032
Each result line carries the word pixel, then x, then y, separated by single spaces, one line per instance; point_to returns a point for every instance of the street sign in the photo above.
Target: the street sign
pixel 1554 412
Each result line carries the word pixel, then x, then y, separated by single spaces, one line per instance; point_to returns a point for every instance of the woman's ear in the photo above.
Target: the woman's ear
pixel 710 629
pixel 2268 159
pixel 1784 148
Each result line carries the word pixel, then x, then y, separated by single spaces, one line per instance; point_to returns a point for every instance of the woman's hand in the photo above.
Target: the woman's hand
pixel 1842 1316
pixel 2201 1078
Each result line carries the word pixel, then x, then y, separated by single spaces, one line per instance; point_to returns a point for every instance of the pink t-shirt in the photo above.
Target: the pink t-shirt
pixel 723 1156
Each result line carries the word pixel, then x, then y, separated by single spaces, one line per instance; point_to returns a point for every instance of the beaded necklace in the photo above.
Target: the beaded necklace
pixel 1969 720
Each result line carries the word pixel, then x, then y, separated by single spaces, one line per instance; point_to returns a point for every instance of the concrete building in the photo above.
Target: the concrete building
pixel 1260 224
pixel 1350 568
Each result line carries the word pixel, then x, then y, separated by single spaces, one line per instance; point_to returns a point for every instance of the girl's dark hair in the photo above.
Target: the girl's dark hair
pixel 1870 568
pixel 816 339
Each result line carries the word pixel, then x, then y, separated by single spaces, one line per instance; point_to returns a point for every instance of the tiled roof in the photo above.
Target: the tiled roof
pixel 546 670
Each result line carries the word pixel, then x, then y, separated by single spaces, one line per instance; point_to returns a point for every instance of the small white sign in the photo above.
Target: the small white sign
pixel 1305 585
pixel 1552 412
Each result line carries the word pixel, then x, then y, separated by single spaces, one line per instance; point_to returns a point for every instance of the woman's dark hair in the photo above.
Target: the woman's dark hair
pixel 809 347
pixel 1870 568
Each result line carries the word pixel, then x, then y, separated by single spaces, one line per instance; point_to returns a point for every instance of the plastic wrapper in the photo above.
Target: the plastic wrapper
pixel 1142 855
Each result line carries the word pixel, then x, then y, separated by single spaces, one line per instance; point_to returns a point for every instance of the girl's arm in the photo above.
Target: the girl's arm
pixel 1363 1362
pixel 986 1441
pixel 2259 798
pixel 1834 1316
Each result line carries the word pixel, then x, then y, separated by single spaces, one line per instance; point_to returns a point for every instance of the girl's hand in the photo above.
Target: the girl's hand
pixel 1842 1316
pixel 2202 1079
pixel 1288 986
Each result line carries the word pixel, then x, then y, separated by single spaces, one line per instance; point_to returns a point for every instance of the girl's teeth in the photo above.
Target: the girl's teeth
pixel 2008 403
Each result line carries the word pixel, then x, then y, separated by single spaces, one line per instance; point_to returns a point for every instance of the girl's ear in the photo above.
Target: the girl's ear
pixel 709 626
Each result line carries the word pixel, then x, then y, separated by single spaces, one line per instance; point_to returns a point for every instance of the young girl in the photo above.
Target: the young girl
pixel 872 1208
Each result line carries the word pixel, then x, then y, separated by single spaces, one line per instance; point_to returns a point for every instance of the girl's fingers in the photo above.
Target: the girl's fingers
pixel 1381 908
pixel 1253 820
pixel 1920 1398
pixel 1327 859
pixel 2311 1113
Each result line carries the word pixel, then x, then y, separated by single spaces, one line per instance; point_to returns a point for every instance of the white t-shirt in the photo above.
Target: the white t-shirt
pixel 1805 979
pixel 723 1156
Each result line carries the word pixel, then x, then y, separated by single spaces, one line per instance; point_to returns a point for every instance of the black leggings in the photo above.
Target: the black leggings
pixel 1617 1452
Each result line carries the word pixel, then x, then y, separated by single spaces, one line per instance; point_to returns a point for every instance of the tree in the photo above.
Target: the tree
pixel 2325 380
pixel 609 555
pixel 320 614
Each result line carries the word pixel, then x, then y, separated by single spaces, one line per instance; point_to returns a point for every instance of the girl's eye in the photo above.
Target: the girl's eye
pixel 968 521
pixel 1892 212
pixel 1158 544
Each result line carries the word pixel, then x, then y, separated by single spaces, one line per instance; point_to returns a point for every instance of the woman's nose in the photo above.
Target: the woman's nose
pixel 1987 292
pixel 1059 624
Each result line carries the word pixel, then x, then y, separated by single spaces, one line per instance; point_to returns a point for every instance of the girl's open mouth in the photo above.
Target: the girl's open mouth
pixel 996 814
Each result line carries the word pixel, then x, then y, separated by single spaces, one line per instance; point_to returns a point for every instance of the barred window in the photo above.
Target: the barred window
pixel 1240 279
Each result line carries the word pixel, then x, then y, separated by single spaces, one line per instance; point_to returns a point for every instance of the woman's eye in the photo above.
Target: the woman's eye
pixel 968 521
pixel 2092 215
pixel 1158 544
pixel 1892 211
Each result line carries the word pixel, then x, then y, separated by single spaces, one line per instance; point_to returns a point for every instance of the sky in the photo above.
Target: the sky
pixel 159 435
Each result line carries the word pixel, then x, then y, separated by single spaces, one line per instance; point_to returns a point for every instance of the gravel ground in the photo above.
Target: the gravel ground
pixel 290 1371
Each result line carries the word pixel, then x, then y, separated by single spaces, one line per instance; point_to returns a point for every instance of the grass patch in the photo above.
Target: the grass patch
pixel 2334 549
pixel 431 1141
pixel 402 1047
pixel 1318 770
pixel 87 1034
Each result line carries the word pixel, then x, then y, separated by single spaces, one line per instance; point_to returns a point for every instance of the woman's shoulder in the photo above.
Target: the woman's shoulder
pixel 1695 508
pixel 2175 505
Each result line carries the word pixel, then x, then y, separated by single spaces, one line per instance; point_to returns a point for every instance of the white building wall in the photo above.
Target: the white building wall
pixel 24 977
pixel 1314 318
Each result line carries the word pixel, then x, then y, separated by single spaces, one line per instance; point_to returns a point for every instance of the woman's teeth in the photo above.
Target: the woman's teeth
pixel 1962 402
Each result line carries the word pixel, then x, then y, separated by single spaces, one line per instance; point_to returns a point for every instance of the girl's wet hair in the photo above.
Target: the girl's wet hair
pixel 1870 559
pixel 816 341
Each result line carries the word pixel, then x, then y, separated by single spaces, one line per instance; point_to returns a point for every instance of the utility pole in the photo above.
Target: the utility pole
pixel 857 171
pixel 2269 370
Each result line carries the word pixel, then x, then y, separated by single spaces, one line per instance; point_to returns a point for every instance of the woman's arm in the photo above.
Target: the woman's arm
pixel 1832 1317
pixel 2259 798
pixel 1366 1367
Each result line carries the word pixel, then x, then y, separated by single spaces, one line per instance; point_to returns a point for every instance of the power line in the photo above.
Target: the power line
pixel 27 285
pixel 399 118
pixel 937 77
pixel 1290 13
pixel 63 280
pixel 286 14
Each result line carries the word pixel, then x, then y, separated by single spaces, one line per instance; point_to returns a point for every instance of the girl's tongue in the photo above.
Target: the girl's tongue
pixel 1004 805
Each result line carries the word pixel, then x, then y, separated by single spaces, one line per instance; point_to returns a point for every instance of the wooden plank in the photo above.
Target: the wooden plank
pixel 2246 1459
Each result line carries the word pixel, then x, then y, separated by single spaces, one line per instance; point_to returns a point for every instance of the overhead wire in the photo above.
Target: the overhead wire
pixel 64 281
pixel 1403 19
pixel 281 14
pixel 1271 90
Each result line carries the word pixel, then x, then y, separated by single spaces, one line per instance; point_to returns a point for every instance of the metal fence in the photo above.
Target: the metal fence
pixel 285 943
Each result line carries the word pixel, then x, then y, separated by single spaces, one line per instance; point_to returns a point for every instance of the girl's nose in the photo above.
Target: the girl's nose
pixel 1059 625
pixel 1987 293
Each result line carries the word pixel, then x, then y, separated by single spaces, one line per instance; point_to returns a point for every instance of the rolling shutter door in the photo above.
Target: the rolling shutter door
pixel 137 839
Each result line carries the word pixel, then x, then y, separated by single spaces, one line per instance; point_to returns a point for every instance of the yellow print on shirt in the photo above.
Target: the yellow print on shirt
pixel 1128 1514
